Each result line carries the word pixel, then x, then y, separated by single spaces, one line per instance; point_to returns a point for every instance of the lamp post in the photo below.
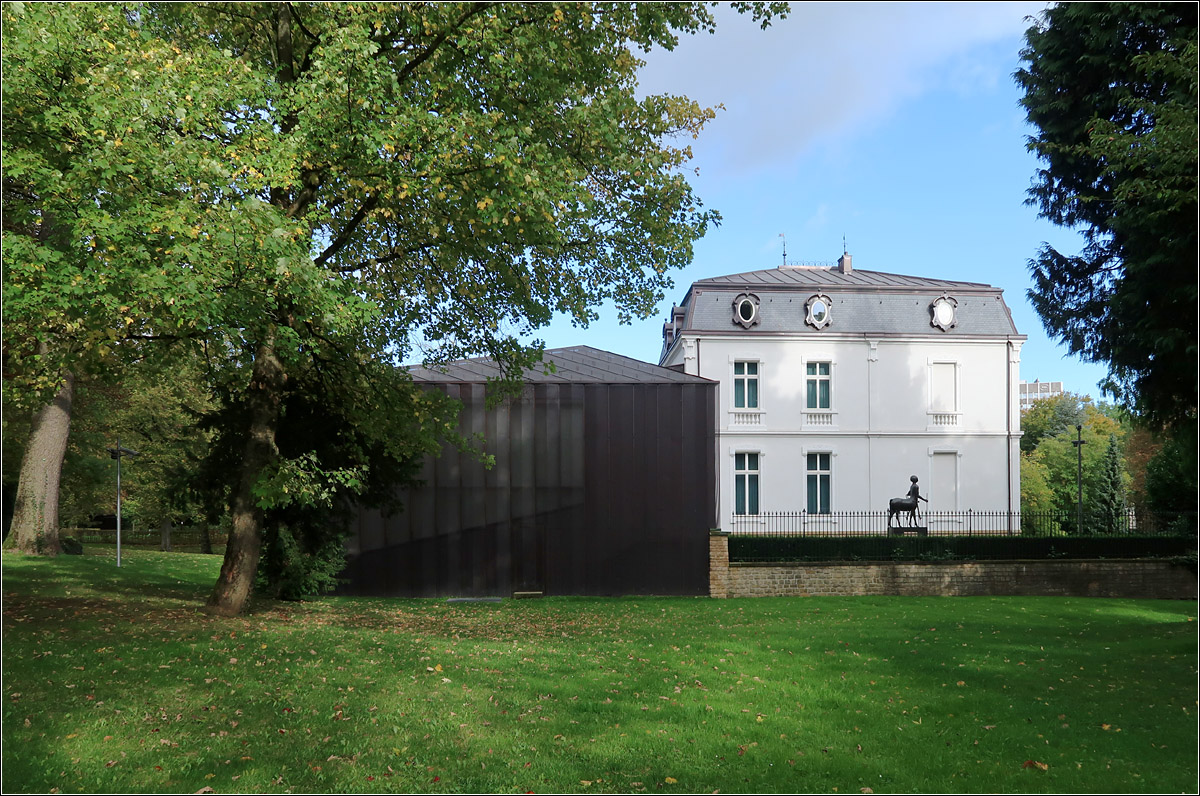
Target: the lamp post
pixel 1078 442
pixel 117 453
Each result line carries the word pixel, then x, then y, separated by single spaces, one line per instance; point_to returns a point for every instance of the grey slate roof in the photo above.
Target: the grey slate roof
pixel 863 302
pixel 831 278
pixel 577 365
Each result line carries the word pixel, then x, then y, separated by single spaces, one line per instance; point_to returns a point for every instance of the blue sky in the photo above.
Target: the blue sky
pixel 896 125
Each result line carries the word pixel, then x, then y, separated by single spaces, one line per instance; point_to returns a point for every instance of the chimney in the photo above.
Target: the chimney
pixel 844 263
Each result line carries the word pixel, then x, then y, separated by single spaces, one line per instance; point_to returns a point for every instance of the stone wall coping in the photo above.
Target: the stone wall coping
pixel 886 561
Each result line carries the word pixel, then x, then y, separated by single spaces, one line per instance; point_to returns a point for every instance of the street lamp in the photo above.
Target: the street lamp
pixel 1079 443
pixel 117 453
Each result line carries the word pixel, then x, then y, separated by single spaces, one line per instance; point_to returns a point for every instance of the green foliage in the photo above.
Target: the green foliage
pixel 291 569
pixel 1057 458
pixel 302 482
pixel 154 408
pixel 294 186
pixel 1171 475
pixel 1112 90
pixel 1049 417
pixel 1037 497
pixel 1108 504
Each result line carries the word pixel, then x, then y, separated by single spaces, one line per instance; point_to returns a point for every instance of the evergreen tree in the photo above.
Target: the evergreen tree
pixel 1111 89
pixel 1108 505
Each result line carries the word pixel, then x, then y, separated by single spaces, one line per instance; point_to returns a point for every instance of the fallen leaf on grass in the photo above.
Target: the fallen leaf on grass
pixel 1035 764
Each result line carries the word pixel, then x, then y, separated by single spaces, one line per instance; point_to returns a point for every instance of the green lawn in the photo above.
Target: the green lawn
pixel 115 682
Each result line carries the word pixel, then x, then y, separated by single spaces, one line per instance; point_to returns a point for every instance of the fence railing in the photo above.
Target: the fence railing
pixel 963 535
pixel 186 537
pixel 963 523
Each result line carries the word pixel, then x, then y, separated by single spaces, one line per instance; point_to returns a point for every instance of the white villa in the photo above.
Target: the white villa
pixel 837 385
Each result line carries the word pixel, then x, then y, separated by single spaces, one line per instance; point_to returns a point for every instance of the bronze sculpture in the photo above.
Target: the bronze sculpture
pixel 909 504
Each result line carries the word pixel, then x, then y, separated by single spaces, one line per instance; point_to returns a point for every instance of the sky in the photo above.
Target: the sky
pixel 894 125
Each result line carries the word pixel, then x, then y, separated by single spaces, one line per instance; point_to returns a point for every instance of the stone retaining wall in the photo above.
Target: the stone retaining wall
pixel 1140 578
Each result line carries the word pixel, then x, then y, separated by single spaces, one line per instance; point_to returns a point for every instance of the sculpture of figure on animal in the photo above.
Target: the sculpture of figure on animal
pixel 908 504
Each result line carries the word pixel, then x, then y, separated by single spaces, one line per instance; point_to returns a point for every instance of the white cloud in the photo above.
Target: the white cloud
pixel 830 70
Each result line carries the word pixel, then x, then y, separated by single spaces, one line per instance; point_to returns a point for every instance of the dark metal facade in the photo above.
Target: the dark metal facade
pixel 597 489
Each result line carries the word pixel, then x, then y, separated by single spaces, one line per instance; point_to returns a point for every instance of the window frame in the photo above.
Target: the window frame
pixel 813 383
pixel 744 380
pixel 747 483
pixel 822 478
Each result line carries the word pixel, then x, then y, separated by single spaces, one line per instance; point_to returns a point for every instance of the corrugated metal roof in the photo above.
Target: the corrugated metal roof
pixel 576 364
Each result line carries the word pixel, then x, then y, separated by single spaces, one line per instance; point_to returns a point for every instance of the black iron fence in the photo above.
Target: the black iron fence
pixel 959 535
pixel 186 539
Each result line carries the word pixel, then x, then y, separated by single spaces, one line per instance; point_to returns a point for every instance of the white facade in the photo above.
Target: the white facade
pixel 834 416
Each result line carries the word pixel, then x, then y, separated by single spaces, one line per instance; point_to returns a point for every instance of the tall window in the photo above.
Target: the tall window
pixel 745 483
pixel 818 385
pixel 745 385
pixel 819 482
pixel 943 387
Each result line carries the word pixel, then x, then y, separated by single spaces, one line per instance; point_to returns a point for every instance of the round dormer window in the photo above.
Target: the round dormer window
pixel 745 310
pixel 944 313
pixel 818 311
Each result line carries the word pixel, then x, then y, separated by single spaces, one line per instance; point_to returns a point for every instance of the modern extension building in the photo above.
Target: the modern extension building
pixel 604 482
pixel 837 385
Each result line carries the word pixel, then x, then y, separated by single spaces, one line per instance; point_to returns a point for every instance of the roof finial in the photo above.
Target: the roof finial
pixel 784 249
pixel 844 249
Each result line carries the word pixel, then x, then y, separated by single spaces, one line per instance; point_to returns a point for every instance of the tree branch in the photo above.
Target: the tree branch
pixel 343 237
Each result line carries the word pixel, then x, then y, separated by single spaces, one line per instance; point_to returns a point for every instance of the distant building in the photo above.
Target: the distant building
pixel 838 384
pixel 1030 391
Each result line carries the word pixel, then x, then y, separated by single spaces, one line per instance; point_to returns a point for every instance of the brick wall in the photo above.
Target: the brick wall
pixel 1146 578
pixel 718 564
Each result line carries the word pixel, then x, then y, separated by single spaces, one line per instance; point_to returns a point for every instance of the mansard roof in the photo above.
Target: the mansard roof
pixel 831 278
pixel 860 303
pixel 574 365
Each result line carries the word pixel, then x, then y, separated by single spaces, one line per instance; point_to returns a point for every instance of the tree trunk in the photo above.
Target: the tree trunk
pixel 236 580
pixel 164 530
pixel 35 515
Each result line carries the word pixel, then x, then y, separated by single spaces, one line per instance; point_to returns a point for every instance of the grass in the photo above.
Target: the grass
pixel 115 682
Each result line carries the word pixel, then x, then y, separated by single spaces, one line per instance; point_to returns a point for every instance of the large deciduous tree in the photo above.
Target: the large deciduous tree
pixel 1111 89
pixel 87 124
pixel 359 182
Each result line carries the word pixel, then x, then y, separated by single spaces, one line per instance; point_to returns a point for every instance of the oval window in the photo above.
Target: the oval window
pixel 819 311
pixel 746 310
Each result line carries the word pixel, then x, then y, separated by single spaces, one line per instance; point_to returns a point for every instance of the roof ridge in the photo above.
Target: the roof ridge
pixel 859 277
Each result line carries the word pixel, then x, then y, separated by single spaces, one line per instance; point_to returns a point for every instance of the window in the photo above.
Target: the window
pixel 745 310
pixel 745 385
pixel 819 486
pixel 818 311
pixel 818 385
pixel 943 392
pixel 745 483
